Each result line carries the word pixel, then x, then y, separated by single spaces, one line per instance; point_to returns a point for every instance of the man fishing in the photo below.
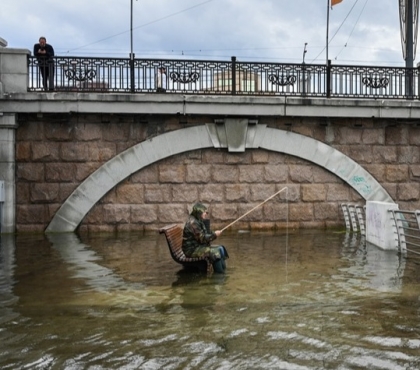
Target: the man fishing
pixel 197 238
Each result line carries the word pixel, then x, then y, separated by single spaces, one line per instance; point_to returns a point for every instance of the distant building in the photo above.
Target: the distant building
pixel 245 81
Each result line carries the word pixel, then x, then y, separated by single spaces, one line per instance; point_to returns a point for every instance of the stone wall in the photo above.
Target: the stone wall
pixel 55 153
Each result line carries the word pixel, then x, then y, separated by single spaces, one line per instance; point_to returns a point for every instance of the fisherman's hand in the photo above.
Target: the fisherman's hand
pixel 218 232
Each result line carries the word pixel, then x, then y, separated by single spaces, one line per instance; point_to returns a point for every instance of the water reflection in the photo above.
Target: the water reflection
pixel 368 260
pixel 82 262
pixel 304 300
pixel 7 263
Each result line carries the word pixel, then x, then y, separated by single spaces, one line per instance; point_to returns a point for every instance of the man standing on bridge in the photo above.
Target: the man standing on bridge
pixel 45 53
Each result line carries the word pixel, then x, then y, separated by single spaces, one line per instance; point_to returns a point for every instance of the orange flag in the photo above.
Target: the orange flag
pixel 335 2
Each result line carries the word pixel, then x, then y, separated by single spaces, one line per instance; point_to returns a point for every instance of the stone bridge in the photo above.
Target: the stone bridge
pixel 118 162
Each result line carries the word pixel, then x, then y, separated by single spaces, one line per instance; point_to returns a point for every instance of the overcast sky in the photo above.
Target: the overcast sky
pixel 362 32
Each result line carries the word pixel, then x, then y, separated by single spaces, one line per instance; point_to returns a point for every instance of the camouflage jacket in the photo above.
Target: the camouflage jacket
pixel 195 235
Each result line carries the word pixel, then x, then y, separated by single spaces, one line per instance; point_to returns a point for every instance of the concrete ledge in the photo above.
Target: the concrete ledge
pixel 15 51
pixel 215 105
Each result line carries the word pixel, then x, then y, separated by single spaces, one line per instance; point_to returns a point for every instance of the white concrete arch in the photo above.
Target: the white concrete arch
pixel 234 134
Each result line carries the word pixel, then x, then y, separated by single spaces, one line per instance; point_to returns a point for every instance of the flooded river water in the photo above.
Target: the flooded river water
pixel 296 300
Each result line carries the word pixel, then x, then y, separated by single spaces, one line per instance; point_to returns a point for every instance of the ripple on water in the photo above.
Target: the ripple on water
pixel 308 301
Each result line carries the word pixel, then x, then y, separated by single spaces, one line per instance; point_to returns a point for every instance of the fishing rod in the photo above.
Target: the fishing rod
pixel 253 209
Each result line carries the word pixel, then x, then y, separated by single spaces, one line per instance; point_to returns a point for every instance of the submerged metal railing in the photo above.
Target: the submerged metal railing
pixel 354 217
pixel 406 224
pixel 84 74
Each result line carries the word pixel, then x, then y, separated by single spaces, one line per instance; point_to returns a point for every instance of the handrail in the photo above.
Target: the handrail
pixel 88 74
pixel 354 217
pixel 406 223
pixel 408 230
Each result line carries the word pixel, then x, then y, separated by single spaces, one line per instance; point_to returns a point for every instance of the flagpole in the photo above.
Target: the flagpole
pixel 328 29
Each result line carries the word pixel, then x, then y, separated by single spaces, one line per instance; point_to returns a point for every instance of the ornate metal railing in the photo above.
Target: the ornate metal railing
pixel 226 78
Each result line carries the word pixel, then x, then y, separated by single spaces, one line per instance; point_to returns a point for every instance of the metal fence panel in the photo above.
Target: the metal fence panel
pixel 227 78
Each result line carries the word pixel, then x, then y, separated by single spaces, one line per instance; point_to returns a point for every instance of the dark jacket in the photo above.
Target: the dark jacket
pixel 49 51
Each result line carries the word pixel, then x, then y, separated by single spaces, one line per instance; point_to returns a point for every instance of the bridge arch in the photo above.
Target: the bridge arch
pixel 236 135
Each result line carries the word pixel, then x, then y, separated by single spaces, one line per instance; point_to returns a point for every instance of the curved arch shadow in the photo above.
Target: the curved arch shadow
pixel 232 136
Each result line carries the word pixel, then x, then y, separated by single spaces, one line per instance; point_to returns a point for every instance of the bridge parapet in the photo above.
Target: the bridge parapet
pixel 21 72
pixel 211 77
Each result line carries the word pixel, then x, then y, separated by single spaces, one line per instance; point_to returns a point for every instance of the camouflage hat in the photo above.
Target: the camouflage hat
pixel 198 209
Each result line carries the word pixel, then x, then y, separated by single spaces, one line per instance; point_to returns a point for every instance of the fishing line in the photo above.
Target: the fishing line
pixel 287 231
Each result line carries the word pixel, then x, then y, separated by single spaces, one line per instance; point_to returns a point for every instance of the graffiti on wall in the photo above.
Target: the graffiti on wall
pixel 361 184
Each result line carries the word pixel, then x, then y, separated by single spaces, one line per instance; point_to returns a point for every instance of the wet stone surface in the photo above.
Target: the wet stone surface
pixel 297 300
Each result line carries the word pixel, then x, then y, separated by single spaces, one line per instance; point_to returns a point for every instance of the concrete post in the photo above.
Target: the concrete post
pixel 380 225
pixel 1 203
pixel 13 71
pixel 8 127
pixel 13 79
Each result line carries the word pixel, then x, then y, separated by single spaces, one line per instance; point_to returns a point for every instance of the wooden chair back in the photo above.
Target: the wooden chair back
pixel 173 234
